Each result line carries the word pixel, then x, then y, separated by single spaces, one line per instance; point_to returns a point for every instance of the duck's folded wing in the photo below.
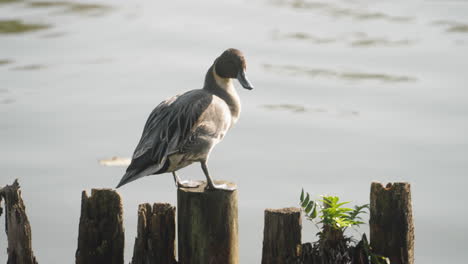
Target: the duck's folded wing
pixel 167 127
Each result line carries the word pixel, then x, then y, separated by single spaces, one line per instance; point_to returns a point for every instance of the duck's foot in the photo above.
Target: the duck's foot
pixel 223 187
pixel 188 184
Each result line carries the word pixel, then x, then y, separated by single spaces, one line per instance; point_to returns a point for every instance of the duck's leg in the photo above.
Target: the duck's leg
pixel 184 184
pixel 210 182
pixel 176 179
pixel 211 185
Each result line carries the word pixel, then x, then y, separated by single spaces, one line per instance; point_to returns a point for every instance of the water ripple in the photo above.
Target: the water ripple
pixel 10 1
pixel 452 26
pixel 30 67
pixel 357 39
pixel 5 61
pixel 16 26
pixel 72 7
pixel 339 12
pixel 297 108
pixel 289 107
pixel 344 75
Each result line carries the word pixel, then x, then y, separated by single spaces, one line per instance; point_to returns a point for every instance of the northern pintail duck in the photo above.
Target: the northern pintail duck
pixel 184 129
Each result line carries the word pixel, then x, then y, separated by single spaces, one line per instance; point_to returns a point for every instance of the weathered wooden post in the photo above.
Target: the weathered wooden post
pixel 101 232
pixel 391 222
pixel 155 242
pixel 207 225
pixel 17 226
pixel 281 235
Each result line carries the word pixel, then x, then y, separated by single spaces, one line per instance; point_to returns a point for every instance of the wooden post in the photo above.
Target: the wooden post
pixel 391 222
pixel 281 235
pixel 17 226
pixel 101 232
pixel 207 225
pixel 155 242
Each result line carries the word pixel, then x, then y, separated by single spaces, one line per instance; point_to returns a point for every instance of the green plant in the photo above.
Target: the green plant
pixel 332 213
pixel 333 246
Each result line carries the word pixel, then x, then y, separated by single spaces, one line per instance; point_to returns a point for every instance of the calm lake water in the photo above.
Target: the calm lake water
pixel 347 92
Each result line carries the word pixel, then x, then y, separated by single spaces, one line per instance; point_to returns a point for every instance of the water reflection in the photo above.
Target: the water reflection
pixel 297 108
pixel 303 36
pixel 99 61
pixel 452 26
pixel 367 42
pixel 4 62
pixel 340 12
pixel 4 92
pixel 31 67
pixel 53 35
pixel 461 28
pixel 72 7
pixel 357 39
pixel 17 26
pixel 345 75
pixel 289 107
pixel 7 101
pixel 9 1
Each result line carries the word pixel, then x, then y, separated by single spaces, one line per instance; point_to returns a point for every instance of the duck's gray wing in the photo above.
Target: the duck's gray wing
pixel 167 128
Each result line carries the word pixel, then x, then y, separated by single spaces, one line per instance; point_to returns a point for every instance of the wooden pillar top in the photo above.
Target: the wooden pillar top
pixel 288 210
pixel 390 186
pixel 281 235
pixel 207 223
pixel 202 187
pixel 100 233
pixel 391 222
pixel 17 226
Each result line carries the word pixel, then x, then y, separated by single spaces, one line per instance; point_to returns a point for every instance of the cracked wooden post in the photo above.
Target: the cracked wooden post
pixel 281 235
pixel 17 226
pixel 101 232
pixel 155 241
pixel 391 222
pixel 207 225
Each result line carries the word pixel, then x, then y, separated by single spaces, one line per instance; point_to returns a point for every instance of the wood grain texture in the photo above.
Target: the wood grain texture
pixel 155 241
pixel 391 222
pixel 207 222
pixel 101 232
pixel 17 226
pixel 281 235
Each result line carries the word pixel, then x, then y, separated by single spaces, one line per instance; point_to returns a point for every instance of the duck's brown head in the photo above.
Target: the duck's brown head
pixel 231 64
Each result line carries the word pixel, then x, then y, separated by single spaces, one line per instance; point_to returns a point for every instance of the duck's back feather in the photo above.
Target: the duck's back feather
pixel 168 127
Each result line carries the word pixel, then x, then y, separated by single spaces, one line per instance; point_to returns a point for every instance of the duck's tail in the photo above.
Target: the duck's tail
pixel 129 177
pixel 135 174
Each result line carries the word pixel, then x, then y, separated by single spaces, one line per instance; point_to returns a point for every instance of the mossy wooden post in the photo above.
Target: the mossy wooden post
pixel 101 232
pixel 155 242
pixel 391 222
pixel 207 225
pixel 281 235
pixel 17 226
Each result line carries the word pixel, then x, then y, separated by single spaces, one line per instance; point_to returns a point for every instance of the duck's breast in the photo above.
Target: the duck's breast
pixel 216 119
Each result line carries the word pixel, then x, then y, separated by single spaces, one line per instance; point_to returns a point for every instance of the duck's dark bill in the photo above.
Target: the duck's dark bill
pixel 243 81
